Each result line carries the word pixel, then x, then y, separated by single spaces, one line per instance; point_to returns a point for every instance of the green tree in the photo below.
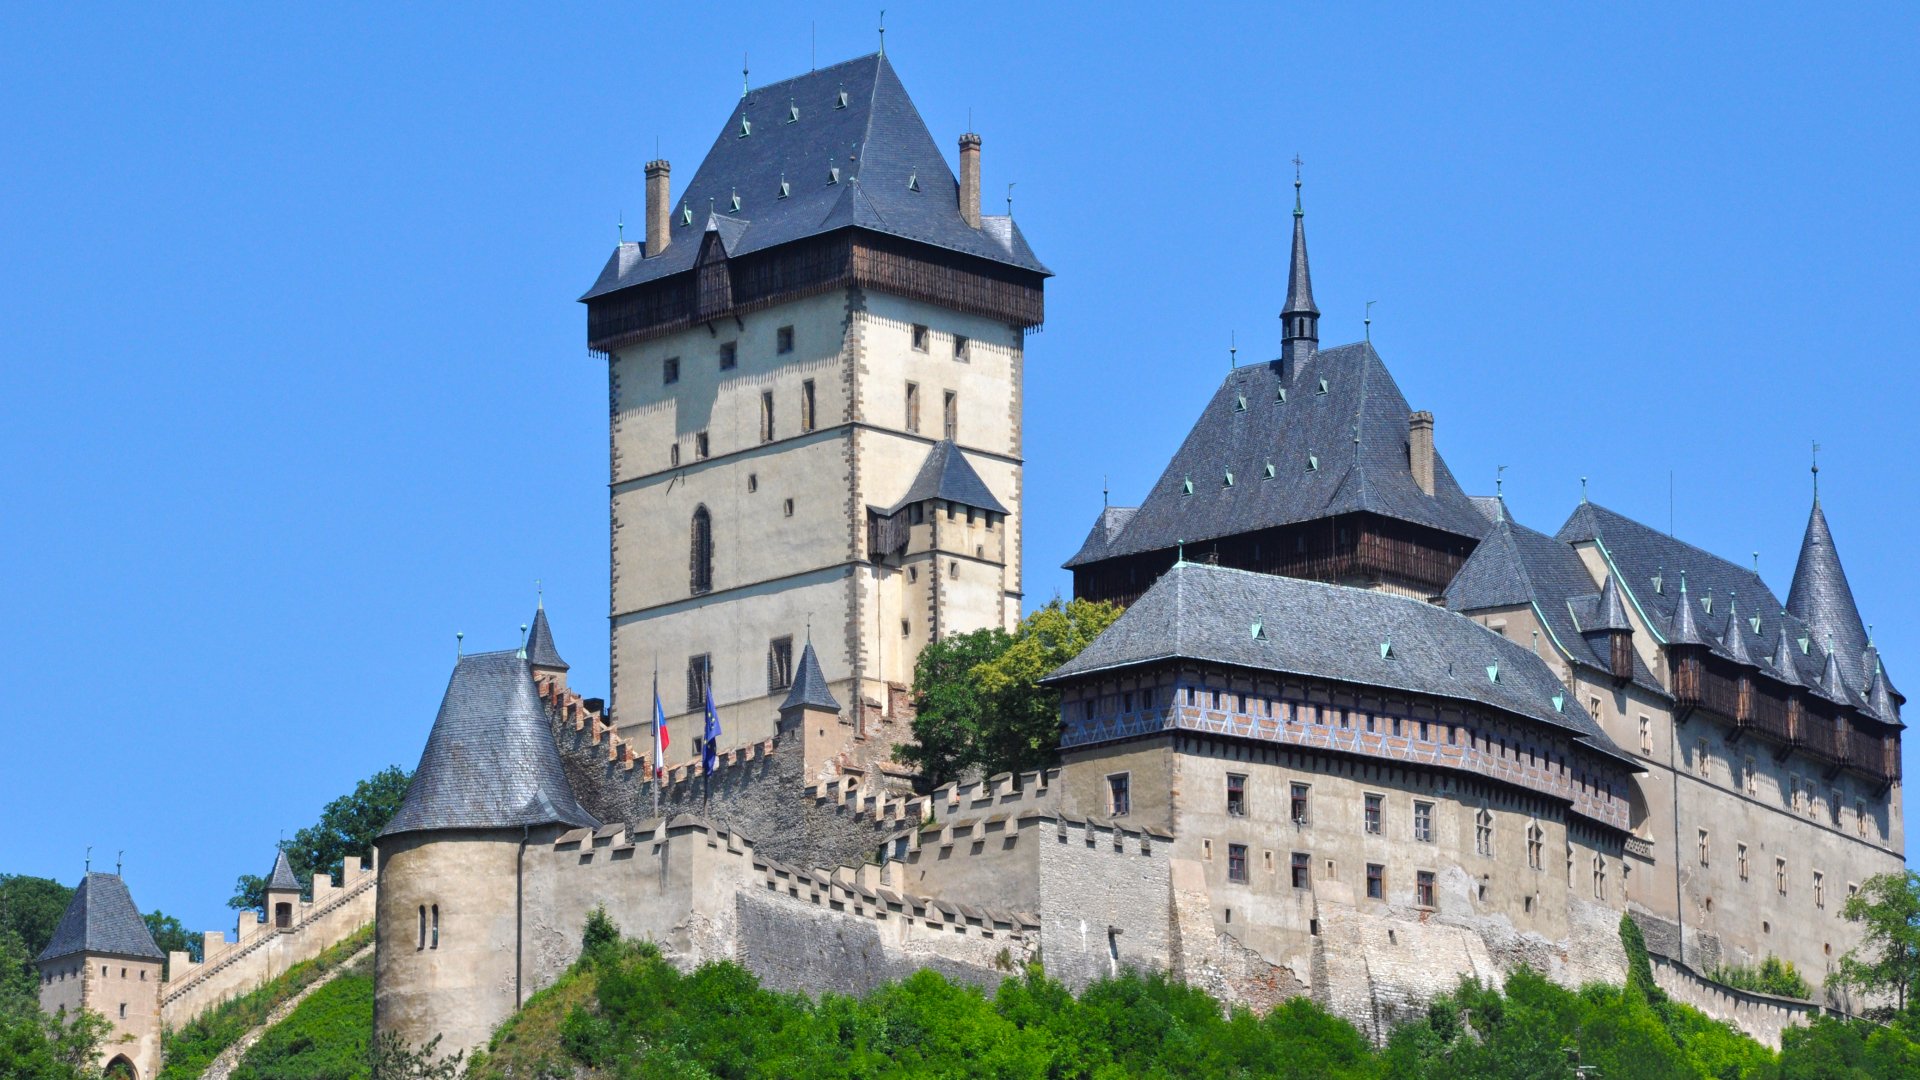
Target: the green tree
pixel 171 937
pixel 347 827
pixel 35 1046
pixel 31 908
pixel 978 700
pixel 1887 960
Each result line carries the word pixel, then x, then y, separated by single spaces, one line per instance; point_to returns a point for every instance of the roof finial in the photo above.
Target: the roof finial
pixel 119 860
pixel 621 226
pixel 1816 474
pixel 459 636
pixel 1104 493
pixel 522 654
pixel 1010 199
pixel 89 858
pixel 809 629
pixel 1180 552
pixel 539 595
pixel 743 77
pixel 1233 348
pixel 1297 212
pixel 1583 489
pixel 1367 322
pixel 1756 564
pixel 883 31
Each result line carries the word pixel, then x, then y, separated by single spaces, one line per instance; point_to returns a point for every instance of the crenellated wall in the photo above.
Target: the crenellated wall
pixel 261 951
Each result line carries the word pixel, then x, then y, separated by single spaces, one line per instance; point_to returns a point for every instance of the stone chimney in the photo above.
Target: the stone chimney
pixel 1420 449
pixel 970 178
pixel 658 212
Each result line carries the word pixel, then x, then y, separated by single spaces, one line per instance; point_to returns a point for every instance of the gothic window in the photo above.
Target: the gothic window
pixel 702 551
pixel 699 678
pixel 1536 845
pixel 779 663
pixel 806 405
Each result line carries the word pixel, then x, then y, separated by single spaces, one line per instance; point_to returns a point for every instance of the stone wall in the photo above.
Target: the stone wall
pixel 1763 1016
pixel 260 951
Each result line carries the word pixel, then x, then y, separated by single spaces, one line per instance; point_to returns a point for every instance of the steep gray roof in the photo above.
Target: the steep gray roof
pixel 540 650
pixel 282 879
pixel 1206 613
pixel 1733 639
pixel 490 760
pixel 1684 629
pixel 809 688
pixel 946 474
pixel 1515 565
pixel 1105 527
pixel 1821 598
pixel 877 141
pixel 101 919
pixel 1612 613
pixel 1356 432
pixel 1299 282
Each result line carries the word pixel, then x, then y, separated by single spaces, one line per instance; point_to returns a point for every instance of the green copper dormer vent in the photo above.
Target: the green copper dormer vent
pixel 913 180
pixel 841 101
pixel 1706 603
pixel 784 189
pixel 1386 650
pixel 686 214
pixel 1804 643
pixel 1280 396
pixel 833 175
pixel 1229 481
pixel 1268 475
pixel 1313 463
pixel 1755 623
pixel 1559 703
pixel 1186 486
pixel 1659 580
pixel 1493 671
pixel 1259 628
pixel 793 112
pixel 746 127
pixel 735 202
pixel 1323 387
pixel 1239 403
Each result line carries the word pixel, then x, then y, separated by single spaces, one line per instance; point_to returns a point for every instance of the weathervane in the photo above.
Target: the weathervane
pixel 1367 322
pixel 1816 472
pixel 883 31
pixel 1233 348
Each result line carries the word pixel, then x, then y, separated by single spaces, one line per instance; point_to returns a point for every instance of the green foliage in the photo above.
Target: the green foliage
pixel 1833 1049
pixel 35 1046
pixel 172 936
pixel 30 908
pixel 325 1037
pixel 1887 960
pixel 978 699
pixel 600 935
pixel 390 1058
pixel 1773 976
pixel 188 1050
pixel 347 827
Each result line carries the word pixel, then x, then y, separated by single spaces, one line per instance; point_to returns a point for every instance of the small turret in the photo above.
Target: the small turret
pixel 1821 597
pixel 811 712
pixel 1611 619
pixel 1785 668
pixel 283 894
pixel 1733 640
pixel 545 659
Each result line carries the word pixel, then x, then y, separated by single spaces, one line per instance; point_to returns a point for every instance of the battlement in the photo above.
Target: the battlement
pixel 588 715
pixel 689 772
pixel 1003 790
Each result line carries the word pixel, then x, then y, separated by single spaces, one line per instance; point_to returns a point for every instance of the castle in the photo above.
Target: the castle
pixel 1357 734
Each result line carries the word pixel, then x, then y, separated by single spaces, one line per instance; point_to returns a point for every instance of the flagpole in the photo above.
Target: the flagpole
pixel 656 762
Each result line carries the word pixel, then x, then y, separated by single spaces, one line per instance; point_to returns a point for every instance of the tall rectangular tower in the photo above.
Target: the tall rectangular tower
pixel 814 371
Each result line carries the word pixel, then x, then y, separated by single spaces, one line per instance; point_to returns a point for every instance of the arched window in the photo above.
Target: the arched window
pixel 702 554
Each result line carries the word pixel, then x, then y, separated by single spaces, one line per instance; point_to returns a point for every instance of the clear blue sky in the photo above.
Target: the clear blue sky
pixel 293 386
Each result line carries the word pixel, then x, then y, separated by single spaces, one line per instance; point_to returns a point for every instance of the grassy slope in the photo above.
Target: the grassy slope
pixel 528 1043
pixel 191 1048
pixel 324 1038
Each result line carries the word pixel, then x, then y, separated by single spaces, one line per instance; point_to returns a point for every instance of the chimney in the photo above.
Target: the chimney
pixel 1420 449
pixel 970 178
pixel 658 212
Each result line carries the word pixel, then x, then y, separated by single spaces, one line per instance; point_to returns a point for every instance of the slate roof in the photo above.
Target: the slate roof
pixel 946 474
pixel 490 760
pixel 101 919
pixel 1515 565
pixel 878 142
pixel 1821 598
pixel 809 688
pixel 1206 613
pixel 1299 281
pixel 1105 527
pixel 540 650
pixel 1356 431
pixel 282 879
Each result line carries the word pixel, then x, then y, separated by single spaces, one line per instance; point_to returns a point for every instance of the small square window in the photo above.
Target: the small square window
pixel 919 337
pixel 729 355
pixel 1376 881
pixel 1120 794
pixel 783 340
pixel 670 370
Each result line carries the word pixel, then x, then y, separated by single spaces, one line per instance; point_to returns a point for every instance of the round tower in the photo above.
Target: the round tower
pixel 450 921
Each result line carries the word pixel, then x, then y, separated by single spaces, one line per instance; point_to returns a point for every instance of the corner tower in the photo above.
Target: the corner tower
pixel 102 958
pixel 817 313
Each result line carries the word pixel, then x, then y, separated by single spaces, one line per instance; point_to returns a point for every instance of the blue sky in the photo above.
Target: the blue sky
pixel 293 386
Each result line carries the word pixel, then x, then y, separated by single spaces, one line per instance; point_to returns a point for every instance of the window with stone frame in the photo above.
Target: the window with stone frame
pixel 780 663
pixel 962 348
pixel 1236 795
pixel 1780 876
pixel 950 417
pixel 806 405
pixel 699 678
pixel 1423 888
pixel 1819 889
pixel 920 336
pixel 1297 804
pixel 1483 831
pixel 1376 881
pixel 700 446
pixel 1702 762
pixel 673 455
pixel 1423 822
pixel 1536 846
pixel 1237 862
pixel 766 416
pixel 783 340
pixel 1740 852
pixel 729 355
pixel 1599 877
pixel 1752 777
pixel 1705 851
pixel 670 370
pixel 1860 816
pixel 1120 794
pixel 1371 810
pixel 913 407
pixel 700 554
pixel 1301 869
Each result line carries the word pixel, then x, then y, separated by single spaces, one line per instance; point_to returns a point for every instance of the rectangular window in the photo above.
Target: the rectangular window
pixel 1236 795
pixel 670 370
pixel 1702 764
pixel 787 508
pixel 1237 862
pixel 1483 831
pixel 1833 806
pixel 1302 865
pixel 1740 850
pixel 1423 822
pixel 1599 877
pixel 1819 889
pixel 1593 707
pixel 1793 792
pixel 1373 813
pixel 962 348
pixel 729 356
pixel 1119 794
pixel 913 407
pixel 919 337
pixel 1704 850
pixel 673 455
pixel 1298 807
pixel 806 405
pixel 1780 876
pixel 1753 778
pixel 1860 816
pixel 1423 888
pixel 700 446
pixel 783 340
pixel 1536 846
pixel 779 663
pixel 699 677
pixel 1376 881
pixel 950 417
pixel 1206 850
pixel 1646 735
pixel 766 416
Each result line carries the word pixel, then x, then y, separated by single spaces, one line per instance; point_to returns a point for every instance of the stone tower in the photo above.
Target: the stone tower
pixel 102 958
pixel 814 374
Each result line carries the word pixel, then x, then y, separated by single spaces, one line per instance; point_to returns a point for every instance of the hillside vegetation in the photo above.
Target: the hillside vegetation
pixel 191 1048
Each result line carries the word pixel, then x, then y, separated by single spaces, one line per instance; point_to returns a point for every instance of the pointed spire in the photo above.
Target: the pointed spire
pixel 809 689
pixel 1784 667
pixel 540 651
pixel 1685 631
pixel 1299 319
pixel 1821 597
pixel 1879 693
pixel 282 879
pixel 1734 640
pixel 1613 609
pixel 1830 676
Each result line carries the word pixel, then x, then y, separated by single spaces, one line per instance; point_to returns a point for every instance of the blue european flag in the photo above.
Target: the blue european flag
pixel 709 751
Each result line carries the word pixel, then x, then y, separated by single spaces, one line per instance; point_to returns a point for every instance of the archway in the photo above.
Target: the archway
pixel 120 1068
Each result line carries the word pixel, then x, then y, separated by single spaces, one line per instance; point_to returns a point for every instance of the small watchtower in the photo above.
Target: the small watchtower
pixel 102 958
pixel 812 714
pixel 283 894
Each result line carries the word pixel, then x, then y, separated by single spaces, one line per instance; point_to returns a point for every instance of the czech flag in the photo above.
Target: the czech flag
pixel 659 732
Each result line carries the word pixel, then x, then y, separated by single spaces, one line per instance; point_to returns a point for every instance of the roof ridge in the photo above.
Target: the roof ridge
pixel 812 72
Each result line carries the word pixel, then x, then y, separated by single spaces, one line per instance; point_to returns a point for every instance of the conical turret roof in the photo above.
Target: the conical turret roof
pixel 1785 668
pixel 1612 613
pixel 809 685
pixel 490 760
pixel 1733 640
pixel 282 879
pixel 540 650
pixel 101 919
pixel 1299 280
pixel 1686 630
pixel 1821 597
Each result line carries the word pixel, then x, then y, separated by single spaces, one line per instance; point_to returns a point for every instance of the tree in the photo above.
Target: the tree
pixel 31 908
pixel 978 699
pixel 347 827
pixel 171 937
pixel 390 1058
pixel 35 1046
pixel 1887 960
